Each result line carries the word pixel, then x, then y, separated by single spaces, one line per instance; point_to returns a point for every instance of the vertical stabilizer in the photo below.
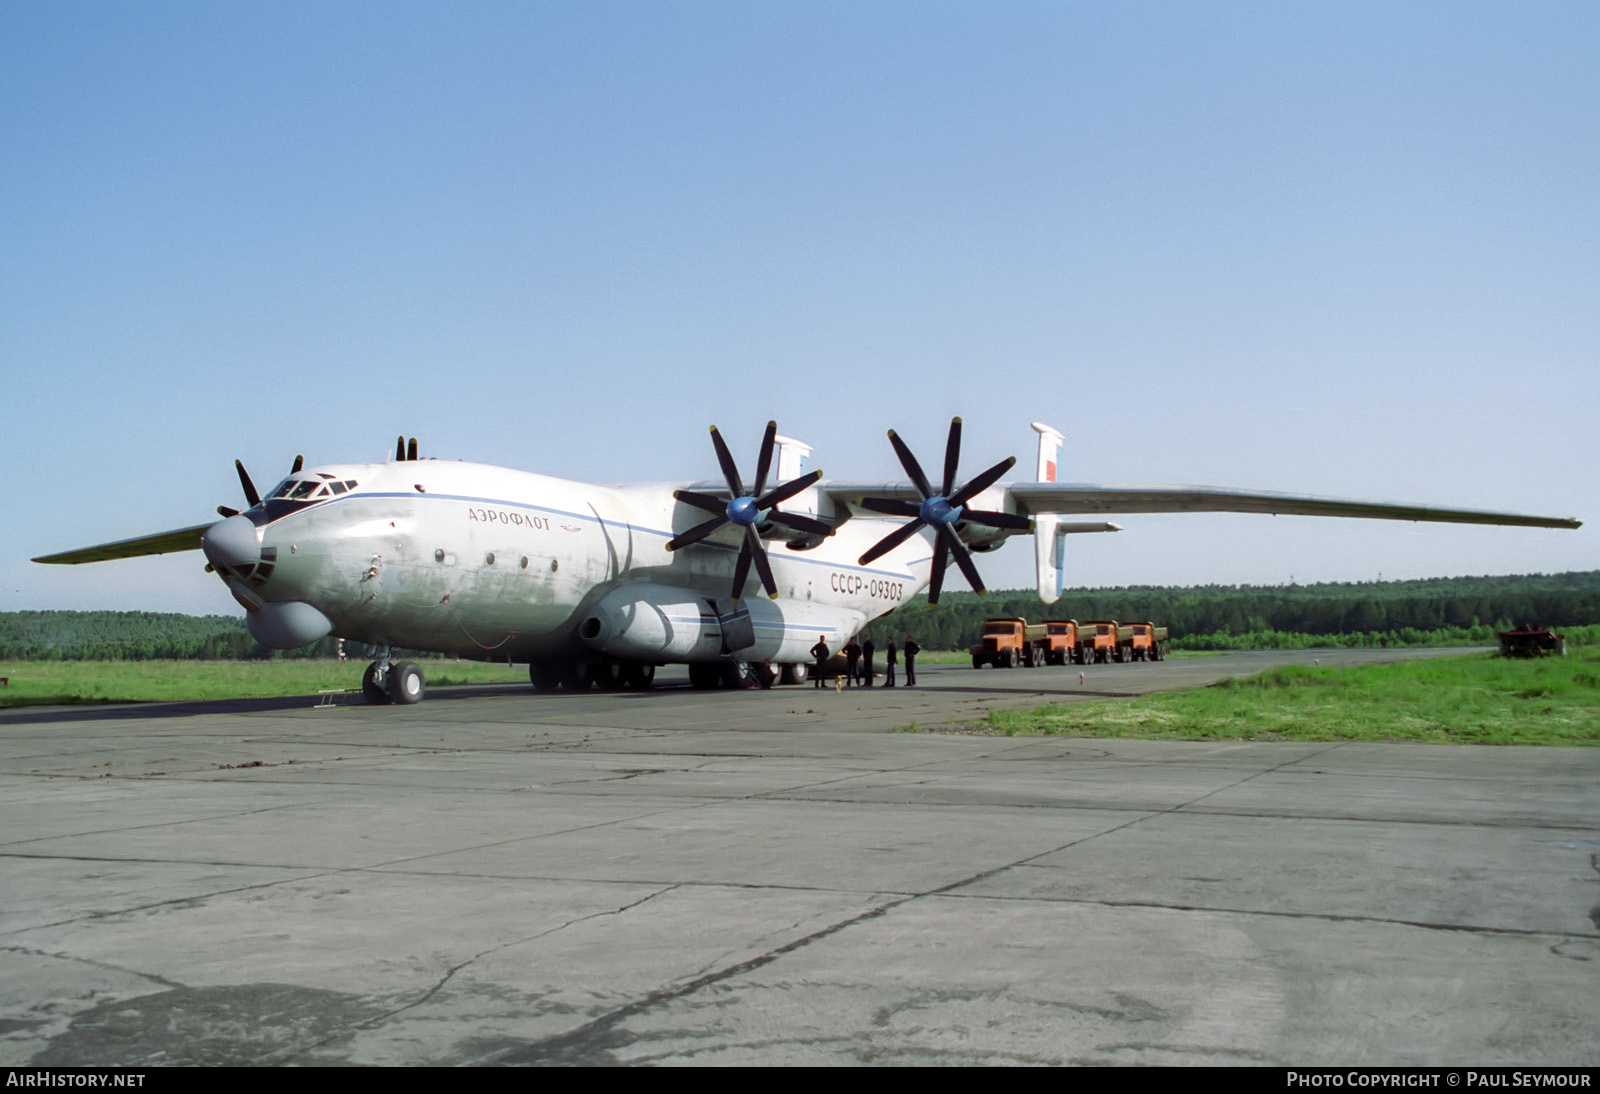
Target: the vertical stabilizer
pixel 794 460
pixel 1048 548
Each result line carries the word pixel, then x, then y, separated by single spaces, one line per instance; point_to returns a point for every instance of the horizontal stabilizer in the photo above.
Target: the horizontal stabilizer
pixel 1034 498
pixel 162 543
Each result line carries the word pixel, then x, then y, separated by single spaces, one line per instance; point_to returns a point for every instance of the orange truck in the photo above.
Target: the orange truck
pixel 1007 643
pixel 1100 641
pixel 1059 644
pixel 1147 642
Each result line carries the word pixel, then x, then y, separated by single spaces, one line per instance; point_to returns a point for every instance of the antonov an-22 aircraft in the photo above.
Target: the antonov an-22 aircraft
pixel 597 585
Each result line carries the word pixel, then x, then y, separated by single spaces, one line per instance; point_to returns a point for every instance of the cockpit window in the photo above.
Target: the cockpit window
pixel 310 490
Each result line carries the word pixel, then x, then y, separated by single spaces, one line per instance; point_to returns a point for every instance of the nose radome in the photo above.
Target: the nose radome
pixel 231 542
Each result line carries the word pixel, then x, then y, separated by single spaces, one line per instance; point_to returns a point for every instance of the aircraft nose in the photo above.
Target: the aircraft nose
pixel 231 542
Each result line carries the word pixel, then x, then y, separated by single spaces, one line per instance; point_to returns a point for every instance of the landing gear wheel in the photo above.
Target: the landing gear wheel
pixel 636 675
pixel 607 675
pixel 704 675
pixel 405 683
pixel 544 675
pixel 370 687
pixel 742 676
pixel 792 674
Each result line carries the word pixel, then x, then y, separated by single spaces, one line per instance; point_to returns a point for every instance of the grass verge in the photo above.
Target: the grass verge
pixel 1479 699
pixel 47 683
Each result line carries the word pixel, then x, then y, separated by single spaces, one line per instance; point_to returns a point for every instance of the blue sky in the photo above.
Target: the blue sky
pixel 1344 249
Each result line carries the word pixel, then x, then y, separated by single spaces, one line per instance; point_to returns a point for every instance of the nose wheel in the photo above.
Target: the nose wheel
pixel 399 682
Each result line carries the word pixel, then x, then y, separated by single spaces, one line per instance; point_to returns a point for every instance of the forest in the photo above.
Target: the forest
pixel 1435 610
pixel 1459 609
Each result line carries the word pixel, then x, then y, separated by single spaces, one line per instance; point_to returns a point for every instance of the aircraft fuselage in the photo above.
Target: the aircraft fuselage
pixel 490 562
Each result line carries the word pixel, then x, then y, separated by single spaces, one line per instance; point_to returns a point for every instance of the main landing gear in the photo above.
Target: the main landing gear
pixel 393 682
pixel 609 675
pixel 583 675
pixel 732 674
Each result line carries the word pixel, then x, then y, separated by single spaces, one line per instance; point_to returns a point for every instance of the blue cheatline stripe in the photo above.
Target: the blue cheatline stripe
pixel 590 517
pixel 760 626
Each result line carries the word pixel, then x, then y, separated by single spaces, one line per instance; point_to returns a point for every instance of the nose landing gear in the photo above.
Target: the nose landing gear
pixel 399 682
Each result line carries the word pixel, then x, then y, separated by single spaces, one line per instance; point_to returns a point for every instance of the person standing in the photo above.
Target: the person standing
pixel 820 653
pixel 889 656
pixel 911 650
pixel 867 650
pixel 852 655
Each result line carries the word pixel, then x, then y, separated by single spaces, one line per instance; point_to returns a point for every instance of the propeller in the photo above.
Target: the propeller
pixel 250 495
pixel 942 511
pixel 404 451
pixel 748 509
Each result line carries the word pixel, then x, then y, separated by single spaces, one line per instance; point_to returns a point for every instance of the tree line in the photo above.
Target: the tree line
pixel 1473 607
pixel 1456 609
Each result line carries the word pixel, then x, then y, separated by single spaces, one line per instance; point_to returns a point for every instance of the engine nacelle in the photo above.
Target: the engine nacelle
pixel 663 623
pixel 653 623
pixel 984 537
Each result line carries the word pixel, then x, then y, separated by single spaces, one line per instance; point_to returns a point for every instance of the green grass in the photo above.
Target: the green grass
pixel 35 683
pixel 1479 699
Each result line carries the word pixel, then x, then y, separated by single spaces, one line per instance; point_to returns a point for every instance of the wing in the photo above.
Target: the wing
pixel 162 543
pixel 1029 498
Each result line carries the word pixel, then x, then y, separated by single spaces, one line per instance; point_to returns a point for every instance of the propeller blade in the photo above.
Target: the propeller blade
pixel 411 449
pixel 891 541
pixel 758 554
pixel 890 506
pixel 909 462
pixel 963 558
pixel 696 534
pixel 801 524
pixel 998 520
pixel 741 569
pixel 250 494
pixel 730 470
pixel 982 482
pixel 941 555
pixel 224 511
pixel 787 490
pixel 400 447
pixel 299 462
pixel 764 463
pixel 702 501
pixel 952 453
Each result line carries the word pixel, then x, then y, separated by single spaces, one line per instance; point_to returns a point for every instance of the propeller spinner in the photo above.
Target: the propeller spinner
pixel 942 511
pixel 748 509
